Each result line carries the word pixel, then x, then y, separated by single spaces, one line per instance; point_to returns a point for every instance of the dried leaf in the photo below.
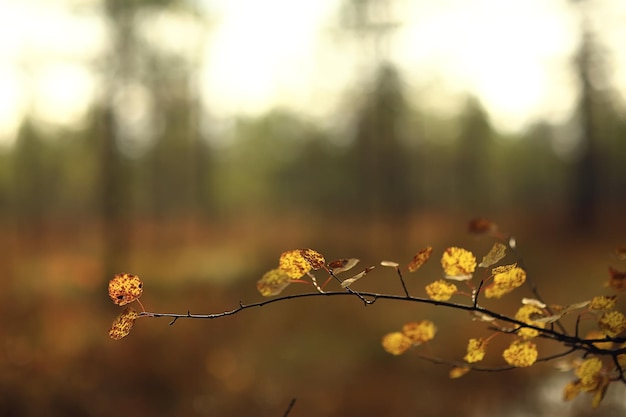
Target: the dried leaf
pixel 294 264
pixel 342 265
pixel 482 226
pixel 497 253
pixel 347 282
pixel 533 302
pixel 123 324
pixel 315 259
pixel 390 264
pixel 125 288
pixel 420 259
pixel 273 282
pixel 617 280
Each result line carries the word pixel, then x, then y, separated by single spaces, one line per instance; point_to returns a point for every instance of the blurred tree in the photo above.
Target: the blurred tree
pixel 150 100
pixel 596 116
pixel 474 147
pixel 30 186
pixel 381 174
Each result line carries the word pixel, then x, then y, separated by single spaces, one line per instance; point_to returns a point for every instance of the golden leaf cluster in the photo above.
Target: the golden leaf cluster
pixel 412 334
pixel 124 288
pixel 292 265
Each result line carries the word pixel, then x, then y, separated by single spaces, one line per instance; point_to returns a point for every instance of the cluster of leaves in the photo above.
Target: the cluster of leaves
pixel 602 352
pixel 124 288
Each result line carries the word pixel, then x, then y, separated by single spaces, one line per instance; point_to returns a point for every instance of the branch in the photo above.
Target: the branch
pixel 574 342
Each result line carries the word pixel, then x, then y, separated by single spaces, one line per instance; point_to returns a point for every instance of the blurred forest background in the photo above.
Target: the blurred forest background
pixel 147 179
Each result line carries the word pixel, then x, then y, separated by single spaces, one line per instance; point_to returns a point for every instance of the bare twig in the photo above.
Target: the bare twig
pixel 289 407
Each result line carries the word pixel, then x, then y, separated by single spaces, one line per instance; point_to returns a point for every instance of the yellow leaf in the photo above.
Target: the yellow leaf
pixel 419 331
pixel 441 290
pixel 125 288
pixel 396 343
pixel 315 259
pixel 420 259
pixel 597 334
pixel 571 391
pixel 589 373
pixel 294 264
pixel 527 314
pixel 342 265
pixel 505 280
pixel 497 252
pixel 458 372
pixel 612 323
pixel 599 392
pixel 458 264
pixel 603 303
pixel 520 354
pixel 273 282
pixel 123 323
pixel 476 349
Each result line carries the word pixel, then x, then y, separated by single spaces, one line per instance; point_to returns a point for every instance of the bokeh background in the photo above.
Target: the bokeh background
pixel 192 141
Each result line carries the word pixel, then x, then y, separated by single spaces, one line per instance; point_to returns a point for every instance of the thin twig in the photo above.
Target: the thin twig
pixel 289 407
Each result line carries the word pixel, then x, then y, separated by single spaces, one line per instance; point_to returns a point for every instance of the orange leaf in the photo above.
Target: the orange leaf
pixel 315 259
pixel 482 226
pixel 420 259
pixel 125 288
pixel 617 280
pixel 123 323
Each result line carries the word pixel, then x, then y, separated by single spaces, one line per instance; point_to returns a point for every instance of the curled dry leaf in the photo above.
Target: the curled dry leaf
pixel 497 253
pixel 342 265
pixel 125 288
pixel 347 282
pixel 123 324
pixel 533 302
pixel 390 264
pixel 420 259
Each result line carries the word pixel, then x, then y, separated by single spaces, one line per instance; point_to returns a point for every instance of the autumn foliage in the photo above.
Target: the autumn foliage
pixel 595 359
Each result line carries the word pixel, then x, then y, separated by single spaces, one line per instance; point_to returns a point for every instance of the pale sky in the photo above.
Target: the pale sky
pixel 513 54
